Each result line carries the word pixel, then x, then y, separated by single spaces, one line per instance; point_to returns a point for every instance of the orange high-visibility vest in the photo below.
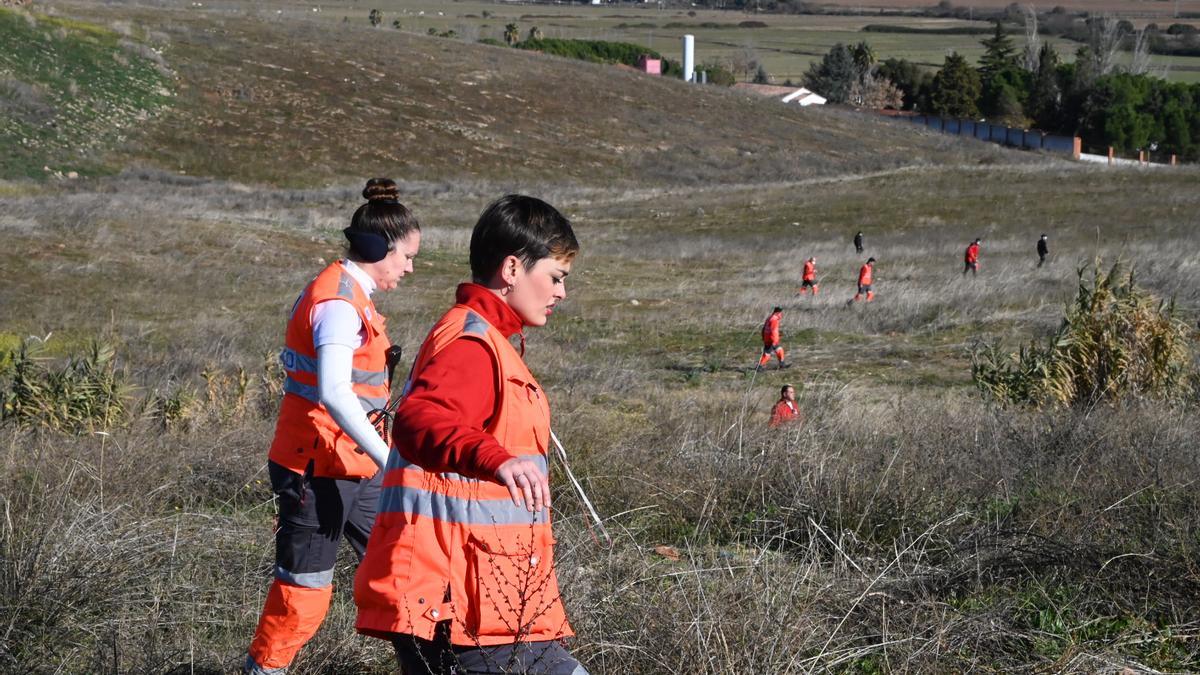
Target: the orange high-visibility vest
pixel 444 535
pixel 864 275
pixel 810 272
pixel 770 330
pixel 783 412
pixel 305 431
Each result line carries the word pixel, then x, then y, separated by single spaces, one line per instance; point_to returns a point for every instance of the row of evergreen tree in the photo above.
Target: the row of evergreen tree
pixel 1095 97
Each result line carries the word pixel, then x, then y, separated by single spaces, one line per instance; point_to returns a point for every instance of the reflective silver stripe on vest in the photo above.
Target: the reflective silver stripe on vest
pixel 475 324
pixel 370 403
pixel 309 393
pixel 305 391
pixel 346 286
pixel 371 378
pixel 397 463
pixel 295 361
pixel 305 579
pixel 414 501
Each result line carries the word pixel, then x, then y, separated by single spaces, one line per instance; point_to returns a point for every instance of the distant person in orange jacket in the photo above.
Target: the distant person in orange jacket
pixel 809 278
pixel 786 412
pixel 971 258
pixel 770 336
pixel 866 275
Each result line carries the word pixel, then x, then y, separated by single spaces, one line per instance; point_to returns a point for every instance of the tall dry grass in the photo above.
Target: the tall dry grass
pixel 907 526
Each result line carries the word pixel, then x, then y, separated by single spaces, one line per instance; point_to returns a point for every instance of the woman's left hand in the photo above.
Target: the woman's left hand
pixel 526 483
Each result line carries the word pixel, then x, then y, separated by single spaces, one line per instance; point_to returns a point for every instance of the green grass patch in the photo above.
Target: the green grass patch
pixel 69 92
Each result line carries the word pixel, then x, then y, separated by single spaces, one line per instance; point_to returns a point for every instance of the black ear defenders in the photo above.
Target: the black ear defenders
pixel 368 246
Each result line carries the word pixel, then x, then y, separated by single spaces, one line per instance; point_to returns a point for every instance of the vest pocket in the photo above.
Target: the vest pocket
pixel 511 587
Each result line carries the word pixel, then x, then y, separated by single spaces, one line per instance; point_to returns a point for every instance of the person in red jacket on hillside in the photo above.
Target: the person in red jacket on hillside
pixel 971 258
pixel 809 277
pixel 770 338
pixel 866 277
pixel 786 412
pixel 325 458
pixel 459 572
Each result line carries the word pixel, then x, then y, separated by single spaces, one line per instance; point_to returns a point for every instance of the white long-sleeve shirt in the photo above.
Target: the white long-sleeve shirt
pixel 337 332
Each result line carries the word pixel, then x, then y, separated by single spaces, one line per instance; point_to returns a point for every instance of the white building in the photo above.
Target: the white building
pixel 793 95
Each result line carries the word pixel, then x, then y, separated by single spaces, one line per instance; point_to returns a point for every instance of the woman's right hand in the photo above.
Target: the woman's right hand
pixel 526 483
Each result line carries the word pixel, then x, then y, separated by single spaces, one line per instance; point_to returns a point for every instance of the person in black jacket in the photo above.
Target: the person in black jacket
pixel 1043 250
pixel 858 242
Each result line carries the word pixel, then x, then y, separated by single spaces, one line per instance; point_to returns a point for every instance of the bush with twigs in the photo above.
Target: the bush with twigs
pixel 1116 340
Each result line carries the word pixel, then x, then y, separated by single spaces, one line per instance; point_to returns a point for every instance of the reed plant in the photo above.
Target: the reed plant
pixel 1116 340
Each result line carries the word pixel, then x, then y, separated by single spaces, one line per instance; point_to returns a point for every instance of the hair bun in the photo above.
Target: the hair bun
pixel 381 189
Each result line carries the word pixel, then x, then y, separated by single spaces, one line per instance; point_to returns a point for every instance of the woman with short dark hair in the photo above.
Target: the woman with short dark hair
pixel 459 573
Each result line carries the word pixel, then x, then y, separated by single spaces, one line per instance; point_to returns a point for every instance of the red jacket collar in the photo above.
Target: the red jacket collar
pixel 494 310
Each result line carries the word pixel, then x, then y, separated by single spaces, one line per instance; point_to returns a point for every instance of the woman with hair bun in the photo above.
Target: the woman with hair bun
pixel 325 458
pixel 459 575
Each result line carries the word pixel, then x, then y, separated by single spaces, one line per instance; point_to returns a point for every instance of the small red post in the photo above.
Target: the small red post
pixel 1141 156
pixel 1110 155
pixel 1077 147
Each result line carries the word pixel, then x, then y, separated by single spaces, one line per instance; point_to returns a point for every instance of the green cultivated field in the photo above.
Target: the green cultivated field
pixel 908 526
pixel 786 45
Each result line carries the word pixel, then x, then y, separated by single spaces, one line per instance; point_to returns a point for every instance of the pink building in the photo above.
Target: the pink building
pixel 649 65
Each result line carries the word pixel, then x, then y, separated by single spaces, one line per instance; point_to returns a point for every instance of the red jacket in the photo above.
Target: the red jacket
pixel 972 253
pixel 810 271
pixel 770 330
pixel 784 412
pixel 441 422
pixel 865 275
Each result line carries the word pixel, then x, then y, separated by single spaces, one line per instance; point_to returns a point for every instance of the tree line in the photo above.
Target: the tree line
pixel 1102 99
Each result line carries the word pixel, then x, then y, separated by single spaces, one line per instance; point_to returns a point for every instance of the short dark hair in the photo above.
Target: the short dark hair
pixel 777 309
pixel 784 388
pixel 382 216
pixel 870 260
pixel 525 227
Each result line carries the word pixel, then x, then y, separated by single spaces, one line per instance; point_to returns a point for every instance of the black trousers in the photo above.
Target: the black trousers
pixel 314 514
pixel 418 656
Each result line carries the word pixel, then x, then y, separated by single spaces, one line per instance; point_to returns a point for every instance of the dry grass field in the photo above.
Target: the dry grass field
pixel 908 526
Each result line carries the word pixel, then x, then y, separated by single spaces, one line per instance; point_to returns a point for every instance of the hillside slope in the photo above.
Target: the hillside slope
pixel 281 100
pixel 70 92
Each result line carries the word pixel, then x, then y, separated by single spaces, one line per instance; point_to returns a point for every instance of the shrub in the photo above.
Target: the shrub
pixel 602 51
pixel 718 73
pixel 1116 340
pixel 85 394
pixel 597 51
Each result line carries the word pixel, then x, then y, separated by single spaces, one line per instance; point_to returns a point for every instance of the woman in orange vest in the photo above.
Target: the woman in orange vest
pixel 809 278
pixel 459 573
pixel 866 276
pixel 324 461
